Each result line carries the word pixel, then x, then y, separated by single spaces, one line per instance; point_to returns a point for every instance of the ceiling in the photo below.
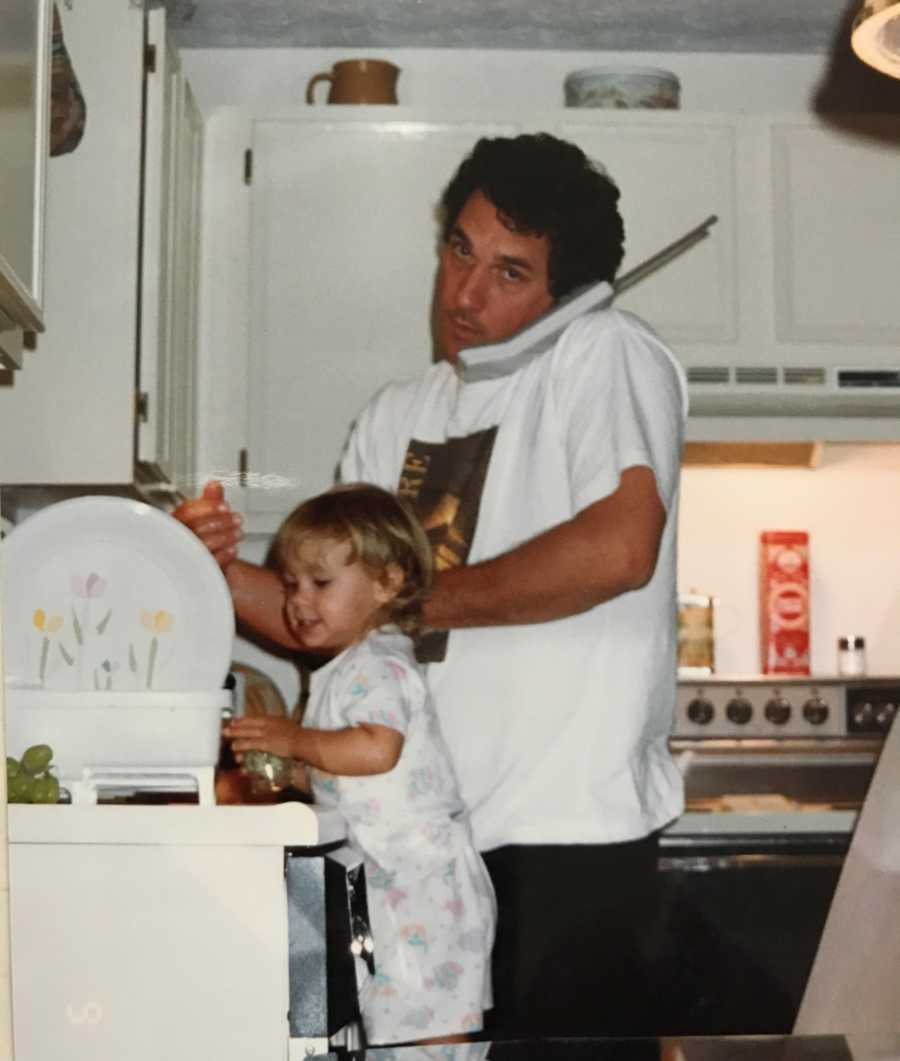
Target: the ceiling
pixel 754 26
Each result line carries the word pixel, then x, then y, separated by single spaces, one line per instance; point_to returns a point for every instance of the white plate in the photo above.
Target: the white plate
pixel 111 594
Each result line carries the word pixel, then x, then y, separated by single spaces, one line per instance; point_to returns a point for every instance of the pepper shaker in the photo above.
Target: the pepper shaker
pixel 851 656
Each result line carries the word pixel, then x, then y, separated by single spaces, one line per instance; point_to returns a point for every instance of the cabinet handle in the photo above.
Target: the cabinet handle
pixel 243 467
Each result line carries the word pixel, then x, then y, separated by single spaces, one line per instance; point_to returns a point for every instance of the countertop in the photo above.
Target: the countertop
pixel 740 1048
pixel 279 825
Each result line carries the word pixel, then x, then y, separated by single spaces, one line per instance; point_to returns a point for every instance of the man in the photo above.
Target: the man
pixel 550 495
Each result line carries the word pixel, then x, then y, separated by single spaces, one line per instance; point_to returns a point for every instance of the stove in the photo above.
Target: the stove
pixel 778 707
pixel 777 756
pixel 776 770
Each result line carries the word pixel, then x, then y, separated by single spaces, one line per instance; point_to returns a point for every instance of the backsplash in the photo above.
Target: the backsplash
pixel 850 506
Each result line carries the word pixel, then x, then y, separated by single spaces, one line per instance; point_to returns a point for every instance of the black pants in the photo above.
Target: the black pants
pixel 577 935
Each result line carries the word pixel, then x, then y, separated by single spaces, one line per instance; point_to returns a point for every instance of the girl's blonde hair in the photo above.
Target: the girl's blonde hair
pixel 380 528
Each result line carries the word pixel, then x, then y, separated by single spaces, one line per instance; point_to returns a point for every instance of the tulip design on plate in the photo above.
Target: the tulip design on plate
pixel 87 589
pixel 159 622
pixel 47 625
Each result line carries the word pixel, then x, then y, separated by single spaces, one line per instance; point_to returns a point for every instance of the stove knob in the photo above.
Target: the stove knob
pixel 884 715
pixel 815 711
pixel 778 710
pixel 861 716
pixel 739 711
pixel 700 711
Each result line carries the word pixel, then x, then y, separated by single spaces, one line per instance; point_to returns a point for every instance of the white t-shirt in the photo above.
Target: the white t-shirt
pixel 558 730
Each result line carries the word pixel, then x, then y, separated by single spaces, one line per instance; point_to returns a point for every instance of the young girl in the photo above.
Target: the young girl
pixel 355 566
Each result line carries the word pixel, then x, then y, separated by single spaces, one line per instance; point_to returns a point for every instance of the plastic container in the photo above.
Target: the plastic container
pixel 623 88
pixel 114 729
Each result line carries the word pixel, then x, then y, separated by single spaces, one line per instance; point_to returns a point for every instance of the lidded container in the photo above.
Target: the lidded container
pixel 623 88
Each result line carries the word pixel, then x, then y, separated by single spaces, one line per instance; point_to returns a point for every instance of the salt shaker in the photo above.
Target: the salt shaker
pixel 851 656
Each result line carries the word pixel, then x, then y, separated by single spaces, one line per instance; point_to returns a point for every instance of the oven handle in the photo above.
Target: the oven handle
pixel 751 850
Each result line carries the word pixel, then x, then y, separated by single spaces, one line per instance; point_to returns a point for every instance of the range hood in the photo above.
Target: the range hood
pixel 789 391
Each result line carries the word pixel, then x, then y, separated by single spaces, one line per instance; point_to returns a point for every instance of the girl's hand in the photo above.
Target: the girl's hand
pixel 265 733
pixel 300 778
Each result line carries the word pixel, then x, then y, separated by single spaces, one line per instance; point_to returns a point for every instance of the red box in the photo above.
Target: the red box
pixel 784 602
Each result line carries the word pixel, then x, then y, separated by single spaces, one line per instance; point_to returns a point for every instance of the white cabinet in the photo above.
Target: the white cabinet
pixel 796 278
pixel 672 176
pixel 836 220
pixel 121 285
pixel 24 134
pixel 342 265
pixel 340 221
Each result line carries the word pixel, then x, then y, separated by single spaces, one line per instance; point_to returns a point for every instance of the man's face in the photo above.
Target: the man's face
pixel 492 281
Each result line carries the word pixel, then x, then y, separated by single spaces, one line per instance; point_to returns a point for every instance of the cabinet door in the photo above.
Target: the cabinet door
pixel 68 417
pixel 342 266
pixel 169 264
pixel 25 134
pixel 836 224
pixel 185 272
pixel 672 176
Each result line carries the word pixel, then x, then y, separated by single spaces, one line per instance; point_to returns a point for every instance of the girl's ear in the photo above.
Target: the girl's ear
pixel 389 583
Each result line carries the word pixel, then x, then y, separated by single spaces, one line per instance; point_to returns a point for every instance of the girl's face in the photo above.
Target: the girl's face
pixel 331 602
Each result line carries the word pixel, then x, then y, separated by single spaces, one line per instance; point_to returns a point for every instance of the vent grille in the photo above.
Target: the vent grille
pixel 709 374
pixel 869 378
pixel 804 377
pixel 756 375
pixel 791 376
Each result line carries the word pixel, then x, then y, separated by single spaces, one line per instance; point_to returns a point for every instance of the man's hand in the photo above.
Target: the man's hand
pixel 214 522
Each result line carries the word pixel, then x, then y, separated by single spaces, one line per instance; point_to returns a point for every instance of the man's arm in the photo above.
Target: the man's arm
pixel 258 597
pixel 607 549
pixel 256 591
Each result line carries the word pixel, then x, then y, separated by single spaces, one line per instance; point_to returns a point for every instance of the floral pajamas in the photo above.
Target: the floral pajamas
pixel 431 904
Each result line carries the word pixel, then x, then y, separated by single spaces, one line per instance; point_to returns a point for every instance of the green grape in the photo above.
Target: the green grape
pixel 45 789
pixel 12 767
pixel 37 758
pixel 19 790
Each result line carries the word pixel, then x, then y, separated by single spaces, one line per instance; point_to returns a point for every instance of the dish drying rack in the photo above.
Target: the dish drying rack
pixel 139 784
pixel 124 747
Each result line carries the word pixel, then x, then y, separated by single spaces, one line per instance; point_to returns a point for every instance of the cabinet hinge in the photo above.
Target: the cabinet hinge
pixel 248 166
pixel 142 406
pixel 150 59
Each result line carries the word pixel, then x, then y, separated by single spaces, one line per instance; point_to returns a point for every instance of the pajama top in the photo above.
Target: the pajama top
pixel 431 903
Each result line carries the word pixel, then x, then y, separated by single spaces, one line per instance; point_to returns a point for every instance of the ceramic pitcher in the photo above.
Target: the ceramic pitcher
pixel 358 81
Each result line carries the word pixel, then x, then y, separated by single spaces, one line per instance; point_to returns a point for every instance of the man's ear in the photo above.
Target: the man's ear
pixel 389 584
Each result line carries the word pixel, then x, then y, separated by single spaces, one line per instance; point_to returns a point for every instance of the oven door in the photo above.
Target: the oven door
pixel 743 913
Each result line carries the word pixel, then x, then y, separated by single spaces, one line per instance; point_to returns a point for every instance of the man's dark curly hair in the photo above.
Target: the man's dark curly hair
pixel 545 186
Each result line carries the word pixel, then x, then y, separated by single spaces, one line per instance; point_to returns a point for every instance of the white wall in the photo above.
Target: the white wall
pixel 265 77
pixel 851 508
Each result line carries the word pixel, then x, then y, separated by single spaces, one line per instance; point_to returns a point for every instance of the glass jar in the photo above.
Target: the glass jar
pixel 267 773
